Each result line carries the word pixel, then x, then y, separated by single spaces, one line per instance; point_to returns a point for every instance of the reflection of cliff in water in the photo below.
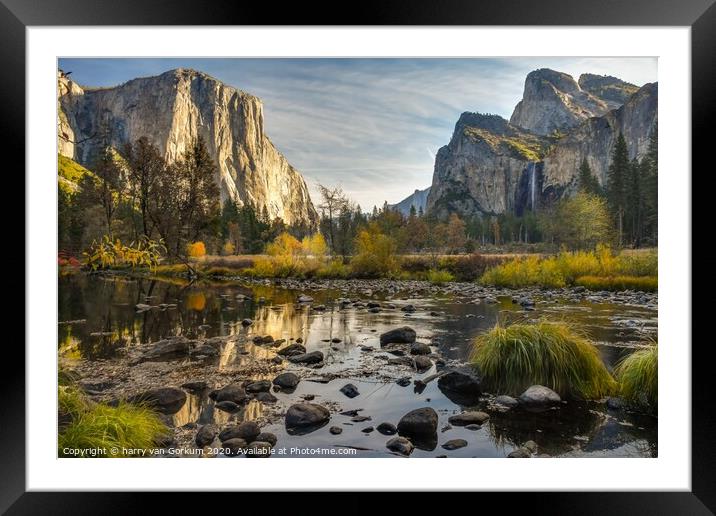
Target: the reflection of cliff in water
pixel 574 428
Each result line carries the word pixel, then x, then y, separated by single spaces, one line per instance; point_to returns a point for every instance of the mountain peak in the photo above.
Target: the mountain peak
pixel 554 101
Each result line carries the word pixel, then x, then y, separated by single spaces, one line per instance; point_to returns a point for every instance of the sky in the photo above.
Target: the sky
pixel 370 126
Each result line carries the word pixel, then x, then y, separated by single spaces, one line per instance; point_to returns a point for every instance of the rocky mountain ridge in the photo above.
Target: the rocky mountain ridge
pixel 492 166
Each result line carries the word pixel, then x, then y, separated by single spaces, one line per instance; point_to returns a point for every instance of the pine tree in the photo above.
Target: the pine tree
pixel 650 182
pixel 616 185
pixel 587 181
pixel 634 203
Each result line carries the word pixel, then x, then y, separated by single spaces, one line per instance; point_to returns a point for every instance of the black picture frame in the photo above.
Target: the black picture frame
pixel 700 15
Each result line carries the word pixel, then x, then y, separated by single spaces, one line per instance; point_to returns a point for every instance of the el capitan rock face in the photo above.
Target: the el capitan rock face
pixel 171 110
pixel 493 166
pixel 417 199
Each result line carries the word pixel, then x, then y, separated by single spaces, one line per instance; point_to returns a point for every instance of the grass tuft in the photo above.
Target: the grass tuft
pixel 552 354
pixel 638 376
pixel 101 427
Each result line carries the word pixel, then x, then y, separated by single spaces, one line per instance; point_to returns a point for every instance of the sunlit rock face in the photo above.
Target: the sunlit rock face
pixel 553 101
pixel 171 110
pixel 595 140
pixel 487 167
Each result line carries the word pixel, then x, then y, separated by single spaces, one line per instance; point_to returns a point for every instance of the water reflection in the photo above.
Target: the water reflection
pixel 100 319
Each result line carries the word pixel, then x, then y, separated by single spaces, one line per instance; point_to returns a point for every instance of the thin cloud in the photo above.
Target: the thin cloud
pixel 365 124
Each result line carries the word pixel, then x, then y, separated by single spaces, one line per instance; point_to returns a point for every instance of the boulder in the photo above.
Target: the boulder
pixel 461 386
pixel 335 430
pixel 167 349
pixel 287 380
pixel 233 392
pixel 292 349
pixel 258 386
pixel 469 418
pixel 267 437
pixel 350 390
pixel 258 450
pixel 400 445
pixel 314 357
pixel 506 402
pixel 419 348
pixel 422 363
pixel 167 400
pixel 206 435
pixel 233 447
pixel 538 398
pixel 304 418
pixel 419 422
pixel 404 335
pixel 454 444
pixel 265 397
pixel 248 431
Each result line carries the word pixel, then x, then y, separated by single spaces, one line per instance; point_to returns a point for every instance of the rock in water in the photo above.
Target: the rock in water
pixel 167 400
pixel 387 429
pixel 506 402
pixel 538 398
pixel 248 431
pixel 206 435
pixel 314 357
pixel 287 380
pixel 400 445
pixel 171 110
pixel 419 348
pixel 350 390
pixel 234 447
pixel 419 422
pixel 454 444
pixel 469 418
pixel 404 335
pixel 461 386
pixel 292 349
pixel 233 392
pixel 306 417
pixel 258 386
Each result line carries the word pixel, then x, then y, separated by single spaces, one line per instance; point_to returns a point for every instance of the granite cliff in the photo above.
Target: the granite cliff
pixel 492 166
pixel 171 110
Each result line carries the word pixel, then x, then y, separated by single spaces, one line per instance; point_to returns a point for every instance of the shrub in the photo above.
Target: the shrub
pixel 439 277
pixel 107 254
pixel 469 267
pixel 228 249
pixel 617 283
pixel 196 250
pixel 284 244
pixel 314 246
pixel 99 426
pixel 375 255
pixel 571 268
pixel 638 376
pixel 333 269
pixel 546 353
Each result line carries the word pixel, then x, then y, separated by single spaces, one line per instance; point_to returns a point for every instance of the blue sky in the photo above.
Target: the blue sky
pixel 371 126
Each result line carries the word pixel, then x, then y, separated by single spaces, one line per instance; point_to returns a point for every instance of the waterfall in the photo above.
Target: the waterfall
pixel 532 185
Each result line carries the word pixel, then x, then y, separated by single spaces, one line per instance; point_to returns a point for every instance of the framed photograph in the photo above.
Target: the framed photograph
pixel 357 246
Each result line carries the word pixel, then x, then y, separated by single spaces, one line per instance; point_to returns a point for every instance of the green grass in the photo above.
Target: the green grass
pixel 638 376
pixel 99 426
pixel 69 174
pixel 552 354
pixel 438 277
pixel 632 271
pixel 617 283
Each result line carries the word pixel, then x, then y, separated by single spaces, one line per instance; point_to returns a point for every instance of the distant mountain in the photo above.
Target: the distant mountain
pixel 492 166
pixel 419 199
pixel 171 110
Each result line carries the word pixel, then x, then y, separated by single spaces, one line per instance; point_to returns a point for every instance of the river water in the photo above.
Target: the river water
pixel 100 328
